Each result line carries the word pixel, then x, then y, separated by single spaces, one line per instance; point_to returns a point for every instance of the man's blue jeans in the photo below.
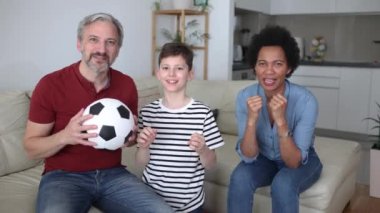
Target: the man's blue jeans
pixel 110 190
pixel 286 184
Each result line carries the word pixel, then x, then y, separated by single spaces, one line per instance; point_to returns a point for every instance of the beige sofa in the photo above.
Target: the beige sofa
pixel 19 176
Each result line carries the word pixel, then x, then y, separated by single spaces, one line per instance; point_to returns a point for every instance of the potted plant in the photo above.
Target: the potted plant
pixel 374 185
pixel 183 4
pixel 157 5
pixel 202 5
pixel 192 36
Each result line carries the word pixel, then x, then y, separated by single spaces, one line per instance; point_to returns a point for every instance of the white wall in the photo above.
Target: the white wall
pixel 39 37
pixel 221 42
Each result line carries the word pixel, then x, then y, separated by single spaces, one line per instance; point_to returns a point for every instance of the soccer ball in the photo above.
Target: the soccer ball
pixel 114 120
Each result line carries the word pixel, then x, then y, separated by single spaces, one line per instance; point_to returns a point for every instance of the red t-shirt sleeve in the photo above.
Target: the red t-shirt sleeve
pixel 41 107
pixel 134 98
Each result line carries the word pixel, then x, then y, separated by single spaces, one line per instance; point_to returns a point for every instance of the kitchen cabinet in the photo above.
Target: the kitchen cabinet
pixel 244 74
pixel 354 99
pixel 181 20
pixel 285 7
pixel 293 7
pixel 345 95
pixel 374 98
pixel 254 5
pixel 356 6
pixel 323 82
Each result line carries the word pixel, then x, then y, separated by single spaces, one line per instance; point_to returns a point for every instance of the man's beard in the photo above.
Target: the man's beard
pixel 96 67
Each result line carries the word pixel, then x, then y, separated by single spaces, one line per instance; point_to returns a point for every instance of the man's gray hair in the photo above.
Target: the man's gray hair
pixel 100 17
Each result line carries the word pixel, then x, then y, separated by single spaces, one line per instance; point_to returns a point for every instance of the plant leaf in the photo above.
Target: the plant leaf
pixel 372 119
pixel 376 127
pixel 192 23
pixel 192 35
pixel 167 34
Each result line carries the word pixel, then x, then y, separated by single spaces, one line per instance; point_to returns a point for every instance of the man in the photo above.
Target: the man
pixel 77 175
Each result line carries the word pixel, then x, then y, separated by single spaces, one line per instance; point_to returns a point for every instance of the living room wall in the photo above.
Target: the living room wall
pixel 39 37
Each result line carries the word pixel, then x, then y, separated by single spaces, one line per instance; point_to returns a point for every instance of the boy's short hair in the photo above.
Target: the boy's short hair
pixel 177 49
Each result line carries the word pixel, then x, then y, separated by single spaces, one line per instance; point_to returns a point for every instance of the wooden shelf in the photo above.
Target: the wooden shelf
pixel 179 12
pixel 180 16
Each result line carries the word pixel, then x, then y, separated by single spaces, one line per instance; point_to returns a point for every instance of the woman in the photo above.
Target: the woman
pixel 276 122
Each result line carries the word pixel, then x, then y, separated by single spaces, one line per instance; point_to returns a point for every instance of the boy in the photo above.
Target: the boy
pixel 178 135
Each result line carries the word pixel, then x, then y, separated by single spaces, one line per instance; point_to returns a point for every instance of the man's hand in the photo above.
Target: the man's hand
pixel 76 133
pixel 132 139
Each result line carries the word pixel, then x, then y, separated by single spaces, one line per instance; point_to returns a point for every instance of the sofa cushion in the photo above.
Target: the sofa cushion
pixel 147 82
pixel 14 108
pixel 148 90
pixel 221 95
pixel 339 159
pixel 197 89
pixel 215 113
pixel 147 95
pixel 227 159
pixel 19 190
pixel 29 93
pixel 128 159
pixel 227 121
pixel 12 155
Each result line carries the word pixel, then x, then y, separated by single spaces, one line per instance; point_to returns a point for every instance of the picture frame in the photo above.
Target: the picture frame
pixel 200 2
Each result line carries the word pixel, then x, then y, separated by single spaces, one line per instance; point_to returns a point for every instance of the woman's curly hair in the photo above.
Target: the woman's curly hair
pixel 273 35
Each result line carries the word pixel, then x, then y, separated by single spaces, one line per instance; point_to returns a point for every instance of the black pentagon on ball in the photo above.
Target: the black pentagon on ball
pixel 96 108
pixel 123 112
pixel 107 132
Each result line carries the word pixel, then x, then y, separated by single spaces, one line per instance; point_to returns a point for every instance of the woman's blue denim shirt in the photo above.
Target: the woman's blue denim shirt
pixel 301 116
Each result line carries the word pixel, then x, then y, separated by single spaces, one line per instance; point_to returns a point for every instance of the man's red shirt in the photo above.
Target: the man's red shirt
pixel 60 95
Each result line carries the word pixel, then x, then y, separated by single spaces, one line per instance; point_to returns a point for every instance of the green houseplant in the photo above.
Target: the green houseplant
pixel 376 120
pixel 202 5
pixel 192 35
pixel 157 5
pixel 374 155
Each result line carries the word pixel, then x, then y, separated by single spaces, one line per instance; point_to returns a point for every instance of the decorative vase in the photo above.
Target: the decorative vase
pixel 318 49
pixel 183 4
